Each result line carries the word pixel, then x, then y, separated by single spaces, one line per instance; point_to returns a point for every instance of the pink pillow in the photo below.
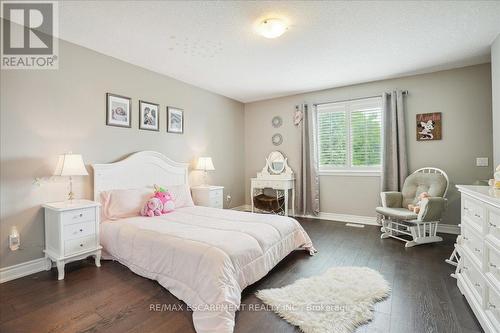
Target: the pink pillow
pixel 117 204
pixel 181 195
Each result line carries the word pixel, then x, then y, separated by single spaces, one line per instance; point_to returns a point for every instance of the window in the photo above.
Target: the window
pixel 350 136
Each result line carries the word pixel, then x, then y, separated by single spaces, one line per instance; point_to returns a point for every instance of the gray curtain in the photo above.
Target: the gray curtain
pixel 307 182
pixel 394 160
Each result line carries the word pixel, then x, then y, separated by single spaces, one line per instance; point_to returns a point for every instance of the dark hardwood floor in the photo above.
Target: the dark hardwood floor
pixel 424 297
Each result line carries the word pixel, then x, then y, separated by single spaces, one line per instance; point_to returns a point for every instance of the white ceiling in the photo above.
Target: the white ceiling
pixel 329 43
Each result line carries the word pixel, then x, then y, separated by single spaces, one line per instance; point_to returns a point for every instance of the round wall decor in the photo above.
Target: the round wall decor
pixel 277 139
pixel 277 121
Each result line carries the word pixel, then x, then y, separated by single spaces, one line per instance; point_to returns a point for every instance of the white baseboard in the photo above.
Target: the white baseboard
pixel 367 220
pixel 243 208
pixel 347 218
pixel 449 229
pixel 22 269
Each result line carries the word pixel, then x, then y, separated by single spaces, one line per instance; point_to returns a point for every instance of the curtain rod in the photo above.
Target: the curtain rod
pixel 404 92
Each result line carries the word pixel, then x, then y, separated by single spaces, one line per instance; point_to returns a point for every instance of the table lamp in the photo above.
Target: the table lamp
pixel 70 165
pixel 205 164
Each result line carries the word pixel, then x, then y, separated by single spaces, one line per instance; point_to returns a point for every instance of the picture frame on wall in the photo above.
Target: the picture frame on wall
pixel 118 110
pixel 429 126
pixel 175 120
pixel 149 116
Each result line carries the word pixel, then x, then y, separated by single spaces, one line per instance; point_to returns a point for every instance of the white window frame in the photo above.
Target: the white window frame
pixel 349 106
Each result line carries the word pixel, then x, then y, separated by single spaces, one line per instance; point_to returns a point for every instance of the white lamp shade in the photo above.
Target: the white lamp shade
pixel 205 163
pixel 70 165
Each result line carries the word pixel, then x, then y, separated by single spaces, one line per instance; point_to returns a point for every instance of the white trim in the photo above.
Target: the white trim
pixel 351 173
pixel 348 218
pixel 448 229
pixel 243 208
pixel 26 268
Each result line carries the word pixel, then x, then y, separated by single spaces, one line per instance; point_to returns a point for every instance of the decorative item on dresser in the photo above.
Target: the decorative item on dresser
pixel 208 196
pixel 478 270
pixel 276 175
pixel 71 232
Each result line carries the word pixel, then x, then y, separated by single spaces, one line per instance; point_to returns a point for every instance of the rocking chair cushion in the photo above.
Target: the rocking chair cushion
pixel 397 213
pixel 391 199
pixel 416 183
pixel 431 209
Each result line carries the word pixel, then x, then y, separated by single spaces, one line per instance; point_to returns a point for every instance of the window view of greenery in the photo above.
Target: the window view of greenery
pixel 366 138
pixel 365 142
pixel 332 130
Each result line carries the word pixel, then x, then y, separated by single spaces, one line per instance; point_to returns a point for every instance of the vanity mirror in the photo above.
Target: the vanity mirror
pixel 276 162
pixel 276 166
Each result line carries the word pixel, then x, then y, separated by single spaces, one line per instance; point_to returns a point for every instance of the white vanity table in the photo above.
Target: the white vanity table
pixel 276 175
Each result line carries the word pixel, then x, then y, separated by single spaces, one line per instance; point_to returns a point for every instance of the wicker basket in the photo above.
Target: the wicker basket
pixel 268 203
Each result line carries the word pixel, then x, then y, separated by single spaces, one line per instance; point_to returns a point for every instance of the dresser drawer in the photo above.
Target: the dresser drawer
pixel 78 215
pixel 492 268
pixel 77 245
pixel 493 307
pixel 474 212
pixel 473 243
pixel 216 194
pixel 494 223
pixel 77 230
pixel 216 202
pixel 474 279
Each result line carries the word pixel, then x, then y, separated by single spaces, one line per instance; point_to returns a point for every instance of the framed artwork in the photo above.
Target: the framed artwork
pixel 175 120
pixel 118 110
pixel 429 126
pixel 149 116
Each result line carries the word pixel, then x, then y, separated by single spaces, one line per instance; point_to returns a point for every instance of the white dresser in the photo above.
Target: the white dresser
pixel 71 232
pixel 478 272
pixel 208 196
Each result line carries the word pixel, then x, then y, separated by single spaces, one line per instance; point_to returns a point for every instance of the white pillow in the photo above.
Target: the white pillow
pixel 181 195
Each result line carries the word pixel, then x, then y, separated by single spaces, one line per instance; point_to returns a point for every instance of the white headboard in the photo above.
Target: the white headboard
pixel 141 169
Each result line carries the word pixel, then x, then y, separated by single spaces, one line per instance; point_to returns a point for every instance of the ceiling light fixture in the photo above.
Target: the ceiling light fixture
pixel 272 27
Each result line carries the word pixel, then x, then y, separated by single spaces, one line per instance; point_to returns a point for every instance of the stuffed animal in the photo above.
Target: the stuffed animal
pixel 496 183
pixel 165 198
pixel 153 207
pixel 416 207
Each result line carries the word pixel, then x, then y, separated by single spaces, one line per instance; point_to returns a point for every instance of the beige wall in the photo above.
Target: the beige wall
pixel 45 113
pixel 462 95
pixel 495 88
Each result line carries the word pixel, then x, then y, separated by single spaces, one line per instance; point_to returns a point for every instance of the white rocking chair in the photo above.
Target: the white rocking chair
pixel 400 223
pixel 455 256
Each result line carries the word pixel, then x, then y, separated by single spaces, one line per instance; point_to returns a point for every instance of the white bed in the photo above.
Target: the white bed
pixel 204 256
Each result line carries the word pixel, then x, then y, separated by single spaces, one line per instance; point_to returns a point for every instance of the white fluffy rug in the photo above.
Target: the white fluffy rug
pixel 337 301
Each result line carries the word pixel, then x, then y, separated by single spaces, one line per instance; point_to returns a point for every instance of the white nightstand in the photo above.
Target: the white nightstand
pixel 208 196
pixel 71 232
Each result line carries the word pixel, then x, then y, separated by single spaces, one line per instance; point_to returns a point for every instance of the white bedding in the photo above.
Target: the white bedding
pixel 204 256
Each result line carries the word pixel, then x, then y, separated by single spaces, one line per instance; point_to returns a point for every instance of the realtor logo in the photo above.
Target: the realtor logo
pixel 28 30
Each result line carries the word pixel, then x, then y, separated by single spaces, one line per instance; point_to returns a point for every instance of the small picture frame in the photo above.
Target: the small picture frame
pixel 118 110
pixel 175 120
pixel 149 116
pixel 429 126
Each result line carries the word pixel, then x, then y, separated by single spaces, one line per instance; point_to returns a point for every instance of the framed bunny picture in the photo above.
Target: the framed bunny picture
pixel 429 126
